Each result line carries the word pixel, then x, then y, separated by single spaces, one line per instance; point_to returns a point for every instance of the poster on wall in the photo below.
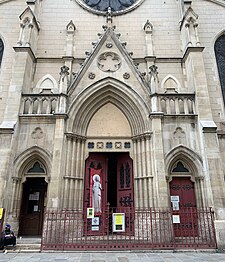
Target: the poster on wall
pixel 176 219
pixel 1 212
pixel 175 202
pixel 34 196
pixel 90 212
pixel 95 224
pixel 118 222
pixel 96 189
pixel 175 206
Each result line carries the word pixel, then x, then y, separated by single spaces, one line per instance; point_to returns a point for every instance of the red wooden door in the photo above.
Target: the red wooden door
pixel 182 188
pixel 118 170
pixel 125 194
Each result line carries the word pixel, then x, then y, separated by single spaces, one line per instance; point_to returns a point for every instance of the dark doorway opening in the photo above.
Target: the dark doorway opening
pixel 112 179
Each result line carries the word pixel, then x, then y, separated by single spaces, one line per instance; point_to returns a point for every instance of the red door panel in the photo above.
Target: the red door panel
pixel 183 187
pixel 125 194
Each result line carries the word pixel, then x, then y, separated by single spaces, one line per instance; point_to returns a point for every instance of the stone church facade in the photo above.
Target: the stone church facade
pixel 134 92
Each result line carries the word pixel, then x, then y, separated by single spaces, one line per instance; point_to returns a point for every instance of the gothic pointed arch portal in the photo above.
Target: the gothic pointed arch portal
pixel 33 198
pixel 109 182
pixel 183 200
pixel 109 118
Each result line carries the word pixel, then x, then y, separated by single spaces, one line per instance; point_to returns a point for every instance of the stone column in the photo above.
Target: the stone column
pixel 54 189
pixel 81 175
pixel 135 173
pixel 159 175
pixel 67 176
pixel 149 172
pixel 142 171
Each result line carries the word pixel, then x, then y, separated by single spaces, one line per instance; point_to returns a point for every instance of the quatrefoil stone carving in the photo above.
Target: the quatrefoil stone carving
pixel 109 62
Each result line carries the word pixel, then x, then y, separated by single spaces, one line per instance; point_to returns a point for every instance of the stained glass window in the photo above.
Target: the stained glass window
pixel 37 168
pixel 1 50
pixel 115 5
pixel 220 59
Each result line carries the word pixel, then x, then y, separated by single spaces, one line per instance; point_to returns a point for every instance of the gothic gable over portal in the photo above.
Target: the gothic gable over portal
pixel 109 59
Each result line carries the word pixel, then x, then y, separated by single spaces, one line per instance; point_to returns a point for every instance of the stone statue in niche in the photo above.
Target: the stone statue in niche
pixel 97 193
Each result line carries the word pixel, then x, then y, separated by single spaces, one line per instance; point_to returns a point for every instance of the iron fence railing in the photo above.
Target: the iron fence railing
pixel 144 229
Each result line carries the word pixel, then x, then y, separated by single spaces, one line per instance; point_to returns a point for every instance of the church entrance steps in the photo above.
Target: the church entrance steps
pixel 26 245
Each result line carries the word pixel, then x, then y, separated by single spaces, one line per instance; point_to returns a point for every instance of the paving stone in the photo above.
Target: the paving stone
pixel 114 257
pixel 123 259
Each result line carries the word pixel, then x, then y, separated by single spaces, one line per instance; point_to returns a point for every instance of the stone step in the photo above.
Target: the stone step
pixel 25 244
pixel 28 240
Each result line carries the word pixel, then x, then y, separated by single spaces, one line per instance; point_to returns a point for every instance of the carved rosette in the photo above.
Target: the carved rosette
pixel 109 62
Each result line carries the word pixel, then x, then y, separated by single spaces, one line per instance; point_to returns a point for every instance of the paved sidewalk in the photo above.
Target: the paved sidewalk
pixel 114 257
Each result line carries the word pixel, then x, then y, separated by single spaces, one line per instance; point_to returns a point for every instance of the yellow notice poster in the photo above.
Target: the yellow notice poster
pixel 119 219
pixel 118 222
pixel 1 213
pixel 90 212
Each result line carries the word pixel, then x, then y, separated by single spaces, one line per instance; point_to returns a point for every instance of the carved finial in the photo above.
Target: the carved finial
pixel 104 27
pixel 64 72
pixel 70 27
pixel 148 27
pixel 153 71
pixel 63 81
pixel 109 16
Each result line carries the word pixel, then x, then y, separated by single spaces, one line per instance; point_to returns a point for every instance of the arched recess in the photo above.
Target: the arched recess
pixel 28 157
pixel 83 108
pixel 108 90
pixel 47 82
pixel 33 165
pixel 170 84
pixel 184 163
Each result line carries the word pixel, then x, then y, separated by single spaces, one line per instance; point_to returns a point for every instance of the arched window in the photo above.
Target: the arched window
pixel 220 59
pixel 1 51
pixel 180 168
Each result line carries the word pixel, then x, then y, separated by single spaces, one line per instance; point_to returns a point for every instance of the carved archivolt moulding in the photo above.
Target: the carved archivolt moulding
pixel 109 62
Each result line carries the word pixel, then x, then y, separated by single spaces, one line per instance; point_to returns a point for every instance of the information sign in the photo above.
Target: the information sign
pixel 118 222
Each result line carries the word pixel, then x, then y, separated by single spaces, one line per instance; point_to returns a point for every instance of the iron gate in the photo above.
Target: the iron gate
pixel 152 229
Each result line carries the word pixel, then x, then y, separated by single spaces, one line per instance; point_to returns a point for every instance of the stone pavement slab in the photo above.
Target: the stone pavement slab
pixel 114 257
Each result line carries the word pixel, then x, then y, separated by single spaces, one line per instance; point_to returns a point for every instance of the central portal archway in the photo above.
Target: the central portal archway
pixel 108 186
